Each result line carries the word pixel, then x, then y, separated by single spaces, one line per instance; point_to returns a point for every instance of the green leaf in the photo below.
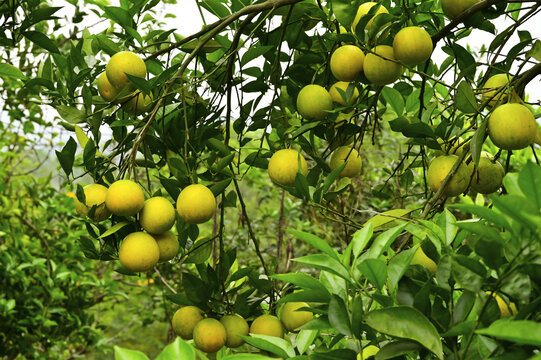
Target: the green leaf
pixel 524 332
pixel 241 356
pixel 535 51
pixel 304 339
pixel 338 315
pixel 125 354
pixel 465 61
pixel 386 217
pixel 317 296
pixel 11 71
pixel 220 186
pixel 394 98
pixel 113 229
pixel 253 53
pixel 326 263
pixel 375 271
pixel 71 114
pixel 408 323
pixel 119 15
pixel 315 241
pixel 360 239
pixel 215 7
pixel 529 180
pixel 477 227
pixel 301 184
pixel 396 348
pixel 397 267
pixel 219 146
pixel 330 179
pixel 477 142
pixel 383 241
pixel 178 349
pixel 447 222
pixel 272 344
pixel 301 280
pixel 66 156
pixel 465 98
pixel 485 213
pixel 41 40
pixel 463 306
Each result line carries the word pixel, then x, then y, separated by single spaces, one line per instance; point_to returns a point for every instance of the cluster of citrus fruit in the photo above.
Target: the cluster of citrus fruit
pixel 155 242
pixel 210 334
pixel 115 86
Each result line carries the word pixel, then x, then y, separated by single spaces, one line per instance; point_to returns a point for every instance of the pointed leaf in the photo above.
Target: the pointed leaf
pixel 387 217
pixel 326 263
pixel 338 315
pixel 125 354
pixel 113 229
pixel 375 271
pixel 525 332
pixel 11 71
pixel 272 344
pixel 178 349
pixel 361 238
pixel 301 280
pixel 383 241
pixel 315 241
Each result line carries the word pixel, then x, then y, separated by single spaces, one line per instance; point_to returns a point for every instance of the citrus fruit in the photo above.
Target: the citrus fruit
pixel 512 126
pixel 106 90
pixel 71 194
pixel 284 165
pixel 95 195
pixel 313 102
pixel 138 252
pixel 267 325
pixel 439 169
pixel 368 351
pixel 125 198
pixel 336 96
pixel 505 309
pixel 122 63
pixel 488 177
pixel 363 10
pixel 412 45
pixel 493 93
pixel 209 335
pixel 157 215
pixel 196 204
pixel 537 138
pixel 293 319
pixel 453 146
pixel 168 245
pixel 343 154
pixel 380 71
pixel 453 8
pixel 347 62
pixel 185 320
pixel 420 258
pixel 235 325
pixel 137 104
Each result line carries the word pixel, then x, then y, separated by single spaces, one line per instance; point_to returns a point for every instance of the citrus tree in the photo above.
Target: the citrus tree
pixel 396 169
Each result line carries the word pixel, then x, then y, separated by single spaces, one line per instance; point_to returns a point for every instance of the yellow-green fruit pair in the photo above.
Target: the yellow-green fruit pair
pixel 347 62
pixel 122 63
pixel 284 166
pixel 95 195
pixel 196 204
pixel 291 318
pixel 379 67
pixel 313 102
pixel 235 325
pixel 488 176
pixel 363 10
pixel 267 325
pixel 512 126
pixel 354 161
pixel 412 45
pixel 439 169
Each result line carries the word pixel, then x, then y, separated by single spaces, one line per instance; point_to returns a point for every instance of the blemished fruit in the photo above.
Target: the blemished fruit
pixel 420 258
pixel 157 215
pixel 293 319
pixel 185 320
pixel 453 8
pixel 196 204
pixel 347 62
pixel 491 89
pixel 122 63
pixel 95 195
pixel 313 102
pixel 168 244
pixel 139 252
pixel 380 71
pixel 138 104
pixel 337 96
pixel 125 198
pixel 284 166
pixel 412 45
pixel 488 177
pixel 363 10
pixel 343 154
pixel 368 351
pixel 439 169
pixel 267 325
pixel 505 309
pixel 235 325
pixel 209 335
pixel 512 126
pixel 106 90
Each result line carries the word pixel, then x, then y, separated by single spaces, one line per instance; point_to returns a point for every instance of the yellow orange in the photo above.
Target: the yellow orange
pixel 512 126
pixel 343 154
pixel 378 67
pixel 336 96
pixel 267 325
pixel 95 195
pixel 347 62
pixel 235 325
pixel 439 169
pixel 363 10
pixel 168 245
pixel 412 45
pixel 196 204
pixel 209 335
pixel 284 166
pixel 185 320
pixel 157 215
pixel 313 102
pixel 125 198
pixel 293 319
pixel 139 252
pixel 122 63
